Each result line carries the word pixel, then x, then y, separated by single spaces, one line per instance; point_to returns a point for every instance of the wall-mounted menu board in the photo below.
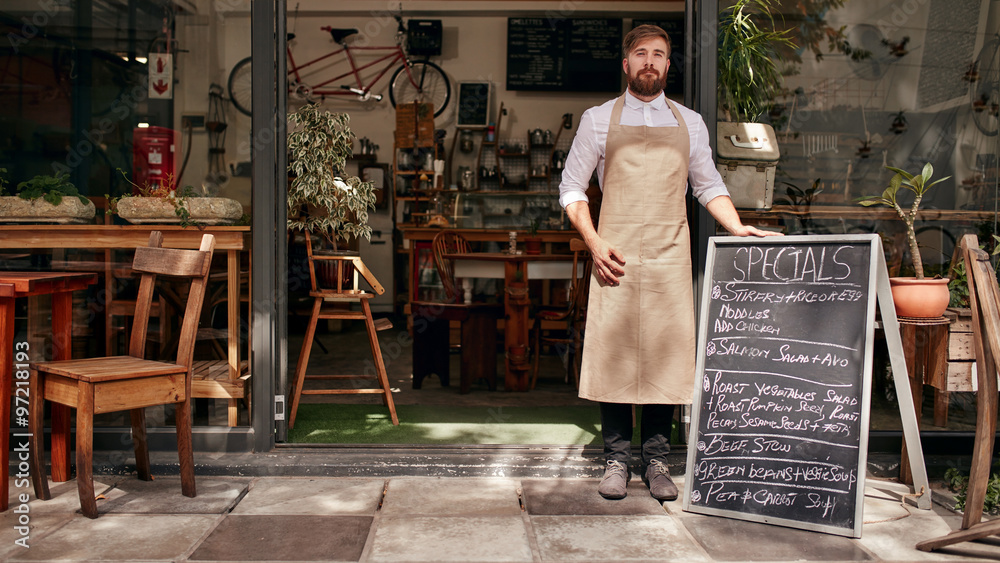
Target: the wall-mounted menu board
pixel 564 54
pixel 780 426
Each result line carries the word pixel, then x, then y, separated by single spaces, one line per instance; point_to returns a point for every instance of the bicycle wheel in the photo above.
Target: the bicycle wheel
pixel 431 86
pixel 241 86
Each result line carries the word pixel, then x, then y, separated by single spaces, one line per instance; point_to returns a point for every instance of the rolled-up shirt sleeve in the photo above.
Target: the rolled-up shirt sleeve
pixel 704 178
pixel 584 156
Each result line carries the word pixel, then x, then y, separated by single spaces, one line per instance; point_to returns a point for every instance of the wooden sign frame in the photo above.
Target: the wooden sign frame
pixel 984 300
pixel 877 292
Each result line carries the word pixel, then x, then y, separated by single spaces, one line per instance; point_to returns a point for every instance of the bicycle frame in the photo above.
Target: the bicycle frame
pixel 394 54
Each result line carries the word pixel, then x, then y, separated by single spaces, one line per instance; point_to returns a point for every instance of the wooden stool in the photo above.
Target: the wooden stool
pixel 342 297
pixel 925 348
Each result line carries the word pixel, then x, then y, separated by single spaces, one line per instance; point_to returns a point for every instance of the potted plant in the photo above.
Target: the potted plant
pixel 533 242
pixel 748 81
pixel 160 202
pixel 915 296
pixel 323 200
pixel 44 199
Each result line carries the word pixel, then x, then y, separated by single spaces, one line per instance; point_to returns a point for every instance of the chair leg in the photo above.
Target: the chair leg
pixel 36 404
pixel 85 449
pixel 537 349
pixel 383 377
pixel 185 450
pixel 303 363
pixel 140 444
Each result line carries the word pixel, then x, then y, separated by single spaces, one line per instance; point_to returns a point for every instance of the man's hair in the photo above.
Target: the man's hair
pixel 642 33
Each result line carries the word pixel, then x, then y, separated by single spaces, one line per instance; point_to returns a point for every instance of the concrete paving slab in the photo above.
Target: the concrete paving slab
pixel 38 526
pixel 259 537
pixel 727 539
pixel 442 496
pixel 613 538
pixel 892 532
pixel 120 537
pixel 450 538
pixel 163 496
pixel 65 496
pixel 579 497
pixel 293 495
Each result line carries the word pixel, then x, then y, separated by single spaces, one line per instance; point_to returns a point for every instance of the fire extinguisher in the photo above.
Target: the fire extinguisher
pixel 154 161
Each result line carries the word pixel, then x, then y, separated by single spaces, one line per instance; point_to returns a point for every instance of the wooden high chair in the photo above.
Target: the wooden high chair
pixel 340 298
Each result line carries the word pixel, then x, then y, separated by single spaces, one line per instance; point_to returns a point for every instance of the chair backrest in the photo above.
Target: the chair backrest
pixel 580 288
pixel 152 261
pixel 339 273
pixel 448 242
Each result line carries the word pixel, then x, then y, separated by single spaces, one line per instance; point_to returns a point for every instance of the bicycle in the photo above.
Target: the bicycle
pixel 421 81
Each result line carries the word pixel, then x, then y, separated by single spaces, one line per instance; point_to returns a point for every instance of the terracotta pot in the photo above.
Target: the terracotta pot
pixel 533 245
pixel 926 298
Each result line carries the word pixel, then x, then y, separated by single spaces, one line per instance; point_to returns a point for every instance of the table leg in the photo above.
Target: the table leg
pixel 233 313
pixel 6 381
pixel 62 349
pixel 516 329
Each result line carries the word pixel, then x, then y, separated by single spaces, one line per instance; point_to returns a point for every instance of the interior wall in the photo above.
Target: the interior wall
pixel 474 48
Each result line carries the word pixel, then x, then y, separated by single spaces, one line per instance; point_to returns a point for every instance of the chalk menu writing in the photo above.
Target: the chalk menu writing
pixel 564 54
pixel 781 395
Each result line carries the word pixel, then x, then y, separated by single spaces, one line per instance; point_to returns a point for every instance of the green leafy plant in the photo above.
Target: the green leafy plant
pixel 958 483
pixel 50 188
pixel 958 287
pixel 3 181
pixel 919 185
pixel 322 198
pixel 748 48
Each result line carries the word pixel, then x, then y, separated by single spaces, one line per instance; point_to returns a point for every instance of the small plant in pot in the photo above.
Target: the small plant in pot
pixel 533 242
pixel 915 296
pixel 45 199
pixel 323 200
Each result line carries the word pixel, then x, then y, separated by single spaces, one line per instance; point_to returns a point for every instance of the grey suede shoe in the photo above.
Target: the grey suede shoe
pixel 615 482
pixel 657 478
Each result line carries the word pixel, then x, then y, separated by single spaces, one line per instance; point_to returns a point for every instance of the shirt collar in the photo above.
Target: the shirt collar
pixel 632 102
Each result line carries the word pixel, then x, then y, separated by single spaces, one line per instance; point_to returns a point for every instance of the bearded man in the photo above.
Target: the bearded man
pixel 640 342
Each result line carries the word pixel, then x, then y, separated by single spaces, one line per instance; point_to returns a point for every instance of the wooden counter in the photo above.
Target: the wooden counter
pixel 231 240
pixel 484 235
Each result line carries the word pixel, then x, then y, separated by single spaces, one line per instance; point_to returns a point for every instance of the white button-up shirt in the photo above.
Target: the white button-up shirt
pixel 588 150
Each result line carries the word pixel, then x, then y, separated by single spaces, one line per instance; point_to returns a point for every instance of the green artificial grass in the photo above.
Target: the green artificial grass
pixel 370 424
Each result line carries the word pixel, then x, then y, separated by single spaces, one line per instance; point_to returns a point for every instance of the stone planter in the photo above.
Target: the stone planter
pixel 13 209
pixel 202 210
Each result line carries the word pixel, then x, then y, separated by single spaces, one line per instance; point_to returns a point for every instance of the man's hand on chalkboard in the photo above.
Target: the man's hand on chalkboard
pixel 608 261
pixel 750 231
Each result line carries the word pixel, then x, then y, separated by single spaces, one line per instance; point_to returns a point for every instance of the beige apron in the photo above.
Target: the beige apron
pixel 639 346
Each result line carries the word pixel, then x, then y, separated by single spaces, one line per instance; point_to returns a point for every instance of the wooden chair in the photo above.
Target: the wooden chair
pixel 448 242
pixel 117 383
pixel 574 315
pixel 339 298
pixel 432 320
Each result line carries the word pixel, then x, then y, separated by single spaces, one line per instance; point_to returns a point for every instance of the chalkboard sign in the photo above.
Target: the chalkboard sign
pixel 780 416
pixel 474 101
pixel 566 54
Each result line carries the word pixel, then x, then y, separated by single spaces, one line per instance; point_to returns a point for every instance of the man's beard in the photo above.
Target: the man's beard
pixel 647 83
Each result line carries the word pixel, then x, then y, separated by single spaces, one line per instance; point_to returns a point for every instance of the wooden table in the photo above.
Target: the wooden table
pixel 17 355
pixel 513 269
pixel 209 383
